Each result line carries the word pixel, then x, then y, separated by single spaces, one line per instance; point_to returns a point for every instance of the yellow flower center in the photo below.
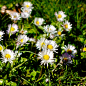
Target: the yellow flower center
pixel 0 48
pixel 65 59
pixel 69 51
pixel 42 43
pixel 21 40
pixel 12 29
pixel 26 11
pixel 15 16
pixel 46 57
pixel 37 22
pixel 59 32
pixel 59 16
pixel 7 56
pixel 66 25
pixel 0 35
pixel 50 47
pixel 84 49
pixel 27 6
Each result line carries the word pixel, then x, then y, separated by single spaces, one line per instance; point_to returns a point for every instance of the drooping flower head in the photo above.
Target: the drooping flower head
pixel 65 59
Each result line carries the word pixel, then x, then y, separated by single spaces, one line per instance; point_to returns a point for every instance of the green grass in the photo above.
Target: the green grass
pixel 26 70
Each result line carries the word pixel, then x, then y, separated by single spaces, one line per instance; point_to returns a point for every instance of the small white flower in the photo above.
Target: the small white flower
pixel 41 43
pixel 70 49
pixel 1 48
pixel 46 56
pixel 25 15
pixel 59 33
pixel 15 16
pixel 8 55
pixel 32 40
pixel 47 80
pixel 26 10
pixel 67 25
pixel 27 4
pixel 51 45
pixel 65 59
pixel 50 29
pixel 60 16
pixel 18 53
pixel 1 35
pixel 12 29
pixel 22 39
pixel 38 21
pixel 23 31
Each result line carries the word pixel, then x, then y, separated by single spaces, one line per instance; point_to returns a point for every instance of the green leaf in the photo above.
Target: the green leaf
pixel 33 73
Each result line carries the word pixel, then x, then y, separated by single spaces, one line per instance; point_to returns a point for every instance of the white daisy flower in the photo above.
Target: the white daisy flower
pixel 67 25
pixel 22 39
pixel 50 29
pixel 27 4
pixel 23 31
pixel 8 55
pixel 52 36
pixel 12 29
pixel 1 35
pixel 26 10
pixel 1 48
pixel 25 15
pixel 65 59
pixel 38 21
pixel 32 40
pixel 70 49
pixel 60 16
pixel 46 56
pixel 51 45
pixel 59 33
pixel 41 43
pixel 18 54
pixel 84 49
pixel 15 16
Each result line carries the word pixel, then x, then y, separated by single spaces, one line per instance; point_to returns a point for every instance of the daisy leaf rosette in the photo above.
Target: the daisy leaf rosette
pixel 60 16
pixel 41 43
pixel 51 45
pixel 38 21
pixel 1 35
pixel 67 26
pixel 65 59
pixel 70 49
pixel 12 29
pixel 21 40
pixel 7 55
pixel 15 16
pixel 46 56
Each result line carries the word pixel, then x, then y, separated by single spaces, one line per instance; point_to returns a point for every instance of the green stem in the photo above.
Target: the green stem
pixel 25 80
pixel 29 52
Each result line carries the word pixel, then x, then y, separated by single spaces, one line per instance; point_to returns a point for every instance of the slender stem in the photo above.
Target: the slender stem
pixel 25 80
pixel 40 72
pixel 29 52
